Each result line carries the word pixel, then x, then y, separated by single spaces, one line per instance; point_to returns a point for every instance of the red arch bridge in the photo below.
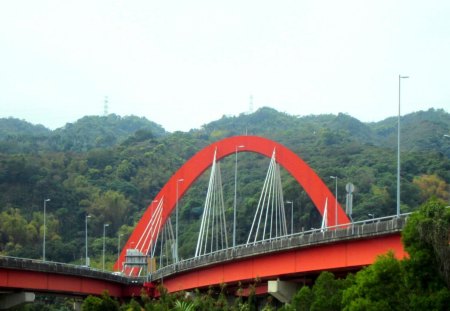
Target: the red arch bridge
pixel 269 253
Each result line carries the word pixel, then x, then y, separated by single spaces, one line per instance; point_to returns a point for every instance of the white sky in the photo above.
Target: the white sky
pixel 185 63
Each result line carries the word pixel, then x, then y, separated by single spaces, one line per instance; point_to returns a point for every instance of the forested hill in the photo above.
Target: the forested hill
pixel 422 130
pixel 11 127
pixel 87 133
pixel 111 168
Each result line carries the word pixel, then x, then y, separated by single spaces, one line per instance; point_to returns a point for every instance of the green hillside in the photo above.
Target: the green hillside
pixel 18 136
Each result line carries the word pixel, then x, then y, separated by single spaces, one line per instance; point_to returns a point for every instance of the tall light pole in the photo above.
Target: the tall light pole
pixel 335 202
pixel 104 234
pixel 398 145
pixel 118 249
pixel 86 239
pixel 292 215
pixel 45 229
pixel 176 222
pixel 235 194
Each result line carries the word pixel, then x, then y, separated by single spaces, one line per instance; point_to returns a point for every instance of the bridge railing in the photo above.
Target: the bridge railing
pixel 36 265
pixel 359 229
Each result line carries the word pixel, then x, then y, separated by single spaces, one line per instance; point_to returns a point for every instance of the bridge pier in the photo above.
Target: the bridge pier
pixel 77 305
pixel 282 290
pixel 14 299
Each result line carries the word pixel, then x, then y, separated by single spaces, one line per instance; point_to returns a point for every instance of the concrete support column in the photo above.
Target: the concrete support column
pixel 282 290
pixel 77 305
pixel 10 300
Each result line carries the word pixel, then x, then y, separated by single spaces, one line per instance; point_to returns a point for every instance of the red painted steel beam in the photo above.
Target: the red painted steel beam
pixel 341 256
pixel 194 167
pixel 13 279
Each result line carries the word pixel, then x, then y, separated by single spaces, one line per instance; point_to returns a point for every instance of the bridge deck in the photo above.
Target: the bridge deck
pixel 347 248
pixel 35 275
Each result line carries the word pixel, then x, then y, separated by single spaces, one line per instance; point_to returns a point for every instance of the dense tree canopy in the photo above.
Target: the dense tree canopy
pixel 414 283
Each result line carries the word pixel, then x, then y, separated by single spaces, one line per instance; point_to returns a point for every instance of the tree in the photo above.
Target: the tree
pixel 91 303
pixel 183 306
pixel 426 237
pixel 380 286
pixel 110 207
pixel 133 305
pixel 432 186
pixel 103 303
pixel 327 293
pixel 414 283
pixel 303 299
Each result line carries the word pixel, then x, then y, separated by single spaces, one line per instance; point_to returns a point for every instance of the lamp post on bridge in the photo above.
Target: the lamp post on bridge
pixel 335 202
pixel 86 239
pixel 398 145
pixel 104 234
pixel 176 222
pixel 235 194
pixel 118 249
pixel 45 229
pixel 292 215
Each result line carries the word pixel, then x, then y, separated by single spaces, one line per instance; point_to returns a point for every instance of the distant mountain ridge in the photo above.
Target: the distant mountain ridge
pixel 422 130
pixel 16 127
pixel 86 133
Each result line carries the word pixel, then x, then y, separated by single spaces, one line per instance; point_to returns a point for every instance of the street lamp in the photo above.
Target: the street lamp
pixel 371 216
pixel 235 194
pixel 292 215
pixel 335 203
pixel 86 240
pixel 446 135
pixel 45 229
pixel 118 249
pixel 176 222
pixel 104 233
pixel 398 145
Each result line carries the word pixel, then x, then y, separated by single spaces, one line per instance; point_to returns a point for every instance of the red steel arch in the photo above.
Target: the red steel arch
pixel 195 166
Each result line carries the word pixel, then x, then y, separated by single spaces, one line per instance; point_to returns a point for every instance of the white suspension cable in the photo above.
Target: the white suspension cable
pixel 283 224
pixel 213 233
pixel 167 244
pixel 325 216
pixel 269 199
pixel 270 217
pixel 201 242
pixel 153 228
pixel 260 209
pixel 148 228
pixel 158 225
pixel 223 223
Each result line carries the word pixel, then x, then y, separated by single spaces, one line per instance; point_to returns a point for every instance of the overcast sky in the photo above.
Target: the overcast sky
pixel 185 63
